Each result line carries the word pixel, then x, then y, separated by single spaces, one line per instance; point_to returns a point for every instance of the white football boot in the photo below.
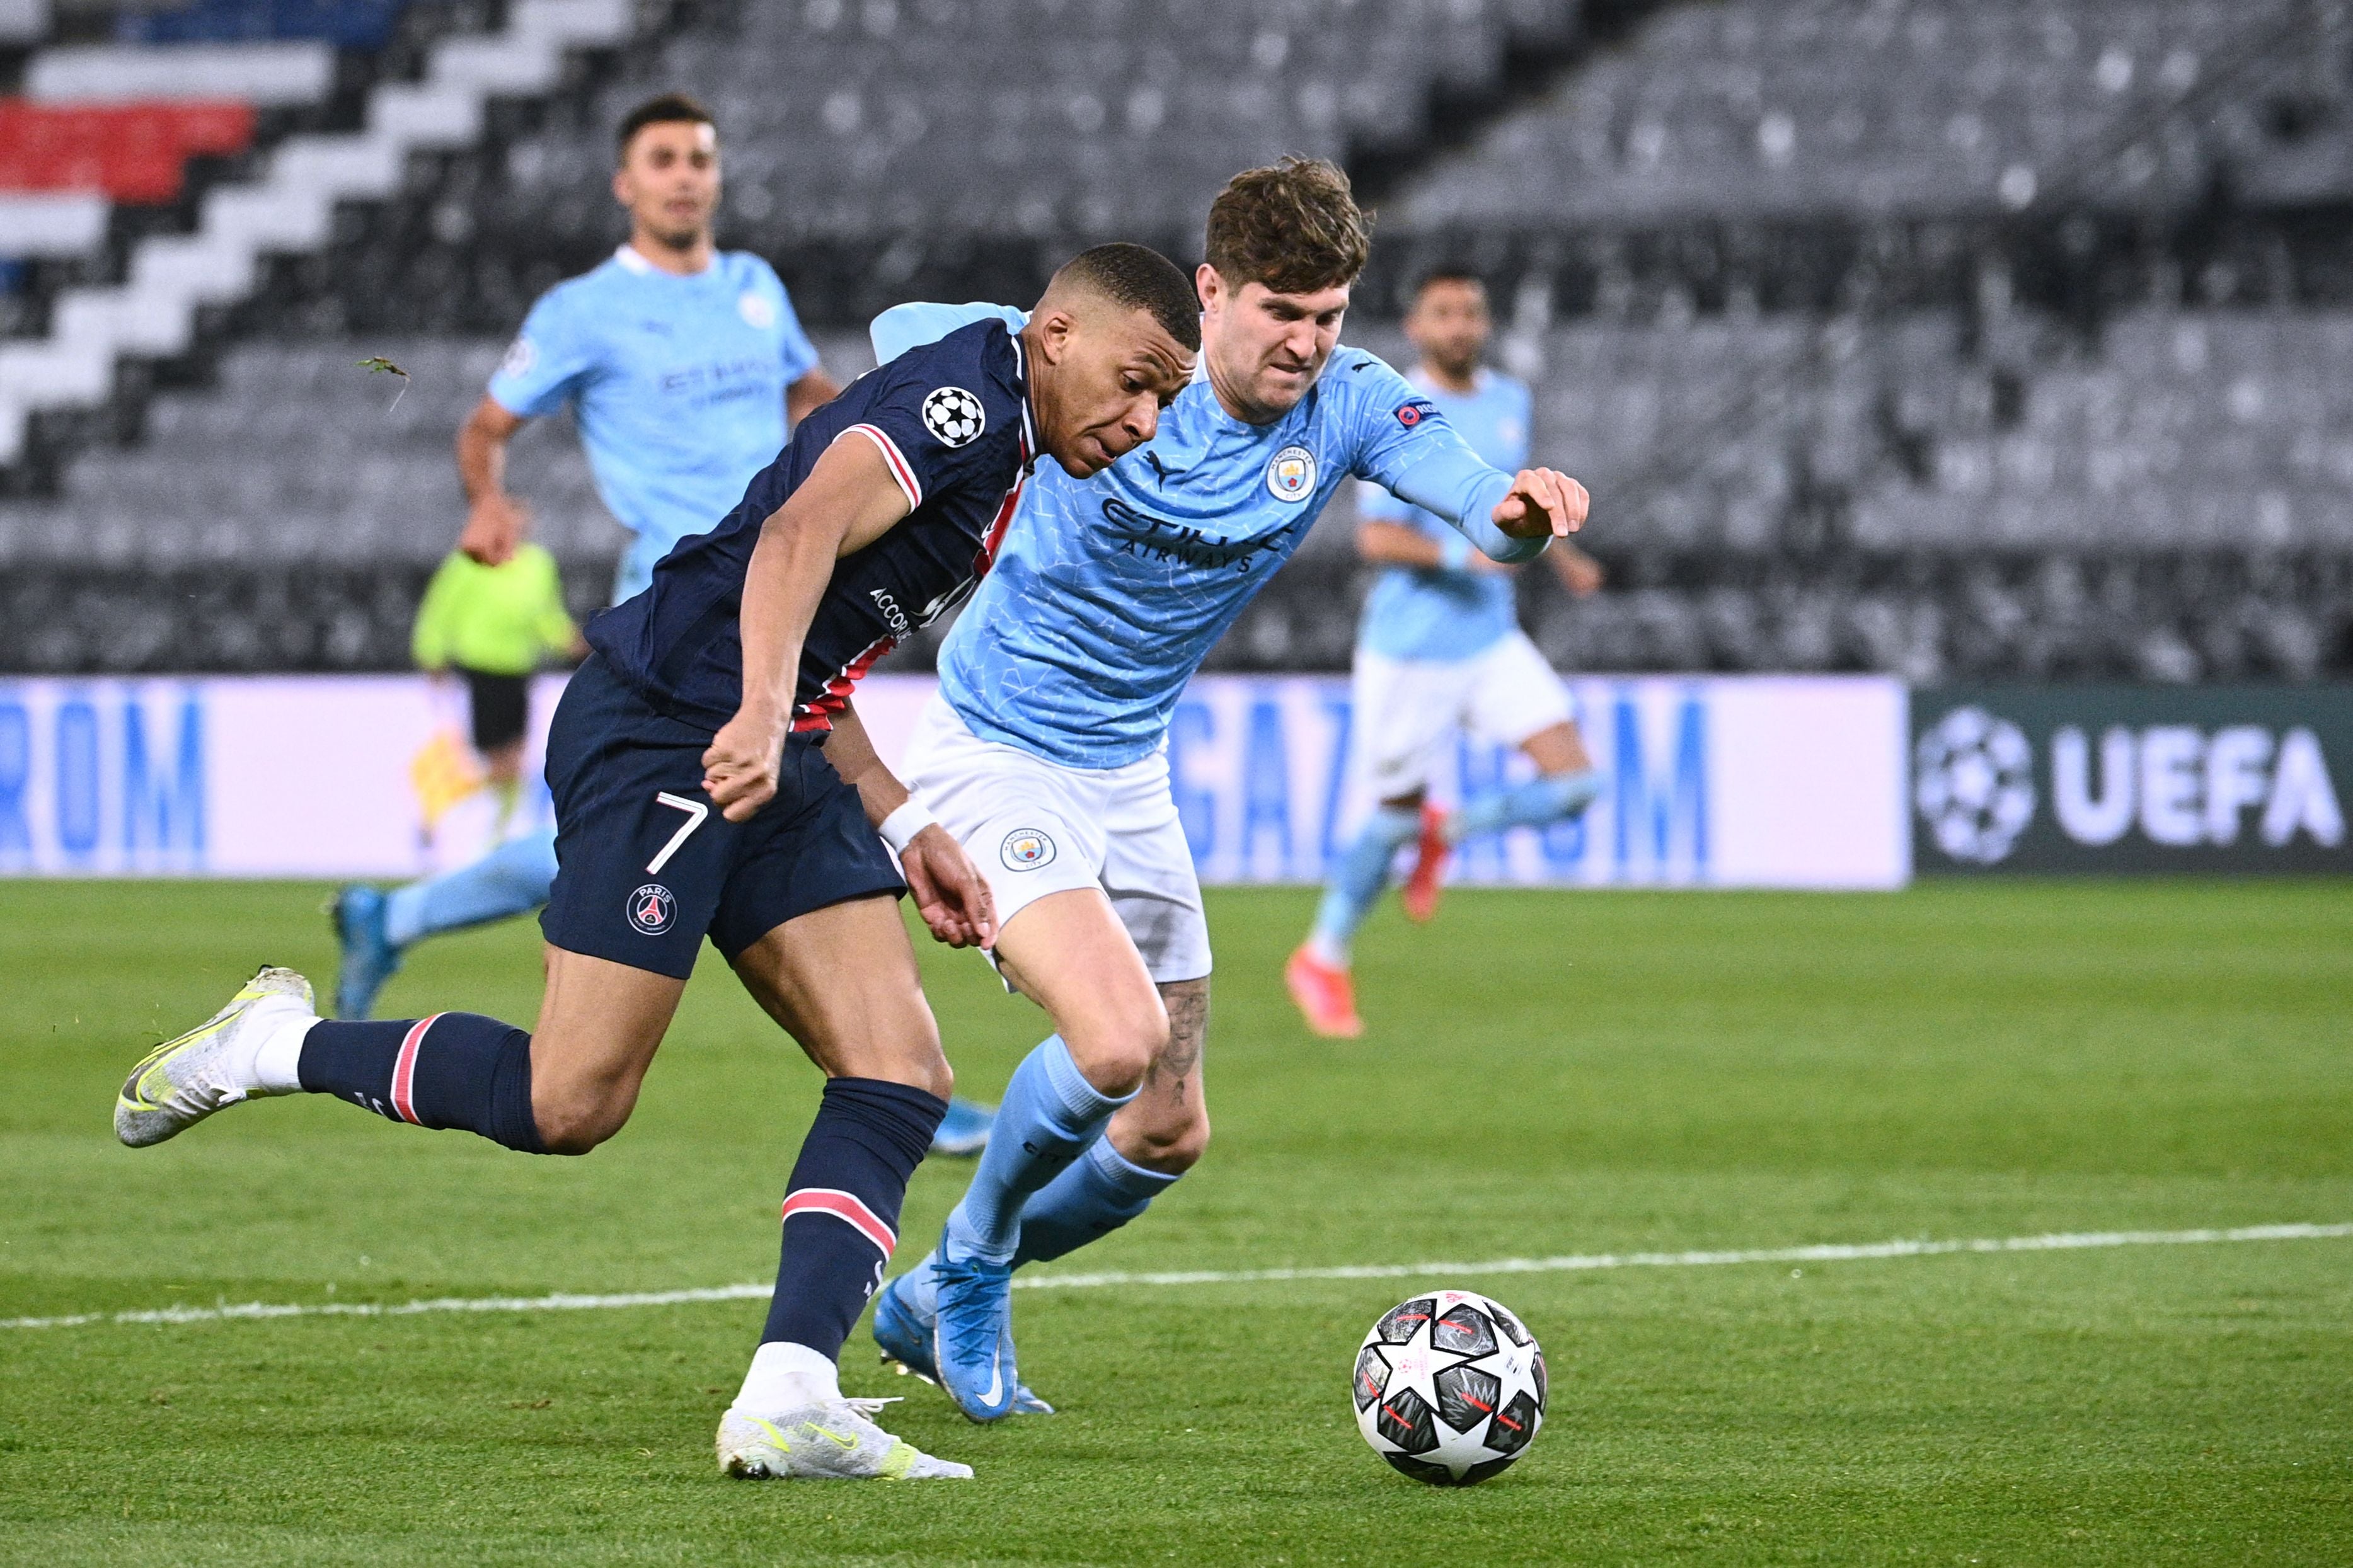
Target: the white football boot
pixel 212 1067
pixel 834 1441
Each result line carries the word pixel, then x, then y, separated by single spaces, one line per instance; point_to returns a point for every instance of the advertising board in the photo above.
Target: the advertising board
pixel 1708 782
pixel 2128 779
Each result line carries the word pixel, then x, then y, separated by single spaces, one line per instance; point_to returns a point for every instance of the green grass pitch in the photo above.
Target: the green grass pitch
pixel 1545 1074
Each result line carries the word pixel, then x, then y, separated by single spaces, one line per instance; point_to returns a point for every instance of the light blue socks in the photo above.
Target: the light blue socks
pixel 1049 1114
pixel 1095 1195
pixel 1100 1190
pixel 1534 804
pixel 1357 880
pixel 513 879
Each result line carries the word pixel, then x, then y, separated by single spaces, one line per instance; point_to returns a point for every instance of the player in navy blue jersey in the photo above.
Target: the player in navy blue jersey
pixel 680 362
pixel 711 779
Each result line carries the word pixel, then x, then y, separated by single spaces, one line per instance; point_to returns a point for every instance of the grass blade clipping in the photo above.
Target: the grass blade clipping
pixel 383 366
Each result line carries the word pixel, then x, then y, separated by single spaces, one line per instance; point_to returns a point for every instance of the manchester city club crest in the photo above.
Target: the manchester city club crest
pixel 1026 849
pixel 757 310
pixel 651 908
pixel 955 415
pixel 1291 475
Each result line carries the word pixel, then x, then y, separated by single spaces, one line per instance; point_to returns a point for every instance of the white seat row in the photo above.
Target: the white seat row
pixel 289 210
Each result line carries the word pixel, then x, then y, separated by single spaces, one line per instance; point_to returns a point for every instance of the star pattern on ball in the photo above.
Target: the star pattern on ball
pixel 1416 1363
pixel 954 416
pixel 1450 1388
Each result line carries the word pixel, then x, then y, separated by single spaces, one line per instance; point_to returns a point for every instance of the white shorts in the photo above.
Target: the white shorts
pixel 1408 710
pixel 1036 828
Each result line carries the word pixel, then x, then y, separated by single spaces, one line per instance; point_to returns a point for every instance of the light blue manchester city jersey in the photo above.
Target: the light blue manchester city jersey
pixel 677 385
pixel 1431 613
pixel 1109 592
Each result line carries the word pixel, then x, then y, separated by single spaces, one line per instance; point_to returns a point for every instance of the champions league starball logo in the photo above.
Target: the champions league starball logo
pixel 955 415
pixel 1973 782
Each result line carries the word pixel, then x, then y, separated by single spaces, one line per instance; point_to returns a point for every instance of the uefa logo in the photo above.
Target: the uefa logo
pixel 1026 849
pixel 1291 475
pixel 1973 784
pixel 651 908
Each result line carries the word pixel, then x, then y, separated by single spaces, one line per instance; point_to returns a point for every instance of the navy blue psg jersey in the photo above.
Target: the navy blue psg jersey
pixel 953 423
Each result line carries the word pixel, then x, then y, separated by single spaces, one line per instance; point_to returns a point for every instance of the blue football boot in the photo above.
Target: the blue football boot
pixel 964 1130
pixel 369 957
pixel 905 1337
pixel 972 1339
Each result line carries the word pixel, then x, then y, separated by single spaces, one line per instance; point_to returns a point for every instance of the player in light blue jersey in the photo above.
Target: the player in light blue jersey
pixel 683 365
pixel 1043 752
pixel 1439 648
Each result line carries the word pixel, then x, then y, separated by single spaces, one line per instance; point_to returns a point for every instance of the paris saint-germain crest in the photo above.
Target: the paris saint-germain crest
pixel 1291 475
pixel 955 415
pixel 651 908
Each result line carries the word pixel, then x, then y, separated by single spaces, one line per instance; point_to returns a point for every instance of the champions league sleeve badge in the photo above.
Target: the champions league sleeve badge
pixel 955 415
pixel 1291 475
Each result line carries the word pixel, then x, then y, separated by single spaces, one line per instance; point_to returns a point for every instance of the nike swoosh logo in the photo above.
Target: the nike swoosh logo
pixel 831 1436
pixel 996 1389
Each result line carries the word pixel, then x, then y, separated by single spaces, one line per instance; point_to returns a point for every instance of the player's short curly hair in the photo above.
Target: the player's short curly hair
pixel 1293 226
pixel 669 109
pixel 1140 279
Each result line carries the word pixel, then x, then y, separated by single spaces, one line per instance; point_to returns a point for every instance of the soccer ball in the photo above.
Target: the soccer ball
pixel 1450 1388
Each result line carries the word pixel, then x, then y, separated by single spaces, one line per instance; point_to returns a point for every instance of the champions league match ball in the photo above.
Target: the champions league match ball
pixel 1450 1388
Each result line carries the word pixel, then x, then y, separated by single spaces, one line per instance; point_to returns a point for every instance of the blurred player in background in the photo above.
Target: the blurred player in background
pixel 681 363
pixel 712 779
pixel 1044 750
pixel 493 626
pixel 1439 651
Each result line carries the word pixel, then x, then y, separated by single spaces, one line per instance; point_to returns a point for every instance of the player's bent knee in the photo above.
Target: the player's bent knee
pixel 1116 1053
pixel 575 1117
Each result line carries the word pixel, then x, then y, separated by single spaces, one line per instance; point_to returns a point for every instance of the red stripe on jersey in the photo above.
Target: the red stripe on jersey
pixel 845 1207
pixel 403 1070
pixel 897 464
pixel 816 716
pixel 995 537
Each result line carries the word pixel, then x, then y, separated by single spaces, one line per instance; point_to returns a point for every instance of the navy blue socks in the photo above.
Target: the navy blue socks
pixel 842 1208
pixel 452 1069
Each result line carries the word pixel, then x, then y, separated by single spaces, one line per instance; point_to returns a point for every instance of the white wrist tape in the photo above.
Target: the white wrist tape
pixel 902 825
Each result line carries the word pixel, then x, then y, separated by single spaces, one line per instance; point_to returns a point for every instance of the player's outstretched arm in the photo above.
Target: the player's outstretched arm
pixel 495 520
pixel 951 894
pixel 1396 544
pixel 848 501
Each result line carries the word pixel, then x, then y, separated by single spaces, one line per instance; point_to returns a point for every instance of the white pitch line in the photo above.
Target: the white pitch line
pixel 1821 1252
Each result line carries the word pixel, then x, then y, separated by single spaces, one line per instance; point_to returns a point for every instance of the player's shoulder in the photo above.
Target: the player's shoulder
pixel 748 270
pixel 1505 387
pixel 1359 388
pixel 965 389
pixel 1361 378
pixel 580 299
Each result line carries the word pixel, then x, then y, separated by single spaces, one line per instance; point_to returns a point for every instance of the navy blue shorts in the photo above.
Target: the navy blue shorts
pixel 647 867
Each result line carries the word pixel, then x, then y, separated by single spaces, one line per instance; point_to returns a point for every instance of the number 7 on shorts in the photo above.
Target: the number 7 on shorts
pixel 695 812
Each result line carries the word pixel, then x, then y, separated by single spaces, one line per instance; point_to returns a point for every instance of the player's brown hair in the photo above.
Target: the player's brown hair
pixel 669 109
pixel 1293 226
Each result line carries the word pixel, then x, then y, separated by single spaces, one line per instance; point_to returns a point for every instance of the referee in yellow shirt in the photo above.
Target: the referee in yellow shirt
pixel 494 625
